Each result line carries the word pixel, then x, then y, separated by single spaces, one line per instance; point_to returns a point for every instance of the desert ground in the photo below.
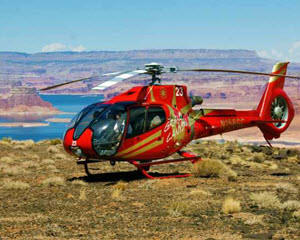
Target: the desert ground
pixel 237 192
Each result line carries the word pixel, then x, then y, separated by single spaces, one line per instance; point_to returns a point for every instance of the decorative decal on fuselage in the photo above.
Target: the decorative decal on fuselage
pixel 177 125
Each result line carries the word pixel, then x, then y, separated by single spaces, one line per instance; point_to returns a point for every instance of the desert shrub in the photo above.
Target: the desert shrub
pixel 27 143
pixel 254 220
pixel 213 168
pixel 82 194
pixel 52 149
pixel 273 166
pixel 55 141
pixel 12 171
pixel 291 205
pixel 178 208
pixel 286 187
pixel 48 162
pixel 20 147
pixel 200 193
pixel 51 168
pixel 236 160
pixel 6 139
pixel 117 194
pixel 258 157
pixel 54 181
pixel 30 164
pixel 6 159
pixel 79 183
pixel 231 206
pixel 118 189
pixel 121 185
pixel 297 214
pixel 266 200
pixel 59 156
pixel 8 184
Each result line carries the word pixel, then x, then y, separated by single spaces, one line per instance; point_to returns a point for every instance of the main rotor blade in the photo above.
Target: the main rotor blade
pixel 78 80
pixel 236 71
pixel 119 78
pixel 65 83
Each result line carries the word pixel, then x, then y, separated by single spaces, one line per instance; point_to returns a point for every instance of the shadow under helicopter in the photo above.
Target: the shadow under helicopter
pixel 113 177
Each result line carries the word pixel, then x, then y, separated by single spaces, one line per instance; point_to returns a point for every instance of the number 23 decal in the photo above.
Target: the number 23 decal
pixel 179 91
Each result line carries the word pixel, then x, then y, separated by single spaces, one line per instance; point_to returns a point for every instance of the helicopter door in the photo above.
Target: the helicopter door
pixel 143 126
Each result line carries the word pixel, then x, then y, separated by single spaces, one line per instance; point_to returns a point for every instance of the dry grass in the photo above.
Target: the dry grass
pixel 200 193
pixel 8 184
pixel 82 194
pixel 291 205
pixel 178 208
pixel 256 219
pixel 213 168
pixel 117 195
pixel 51 167
pixel 121 185
pixel 6 139
pixel 287 187
pixel 79 183
pixel 13 171
pixel 52 149
pixel 6 159
pixel 296 214
pixel 54 181
pixel 109 206
pixel 60 156
pixel 30 164
pixel 117 191
pixel 266 200
pixel 48 162
pixel 231 206
pixel 55 141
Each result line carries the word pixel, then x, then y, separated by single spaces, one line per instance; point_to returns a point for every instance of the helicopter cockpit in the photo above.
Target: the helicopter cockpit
pixel 108 123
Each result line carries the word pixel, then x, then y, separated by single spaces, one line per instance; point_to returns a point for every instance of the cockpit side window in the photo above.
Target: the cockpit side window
pixel 142 120
pixel 155 117
pixel 136 125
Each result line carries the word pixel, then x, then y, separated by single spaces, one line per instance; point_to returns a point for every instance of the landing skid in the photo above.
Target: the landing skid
pixel 144 167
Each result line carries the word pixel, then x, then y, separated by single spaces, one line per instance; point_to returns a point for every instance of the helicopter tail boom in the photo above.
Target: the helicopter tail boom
pixel 275 105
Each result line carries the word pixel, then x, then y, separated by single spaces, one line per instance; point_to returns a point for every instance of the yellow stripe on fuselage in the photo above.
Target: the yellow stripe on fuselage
pixel 141 143
pixel 144 149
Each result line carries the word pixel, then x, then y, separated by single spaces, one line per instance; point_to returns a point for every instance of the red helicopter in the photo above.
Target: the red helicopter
pixel 148 123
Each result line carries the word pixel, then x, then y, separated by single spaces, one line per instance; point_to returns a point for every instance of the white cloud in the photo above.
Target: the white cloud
pixel 295 47
pixel 273 53
pixel 79 48
pixel 56 47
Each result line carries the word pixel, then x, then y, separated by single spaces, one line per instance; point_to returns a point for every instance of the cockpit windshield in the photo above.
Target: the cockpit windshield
pixel 108 128
pixel 86 116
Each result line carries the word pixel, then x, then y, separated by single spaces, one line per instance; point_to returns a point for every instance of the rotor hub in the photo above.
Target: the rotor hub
pixel 278 112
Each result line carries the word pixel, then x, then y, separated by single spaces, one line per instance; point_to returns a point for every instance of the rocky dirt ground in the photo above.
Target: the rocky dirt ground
pixel 237 192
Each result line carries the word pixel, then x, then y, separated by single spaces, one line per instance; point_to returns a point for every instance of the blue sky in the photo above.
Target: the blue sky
pixel 272 27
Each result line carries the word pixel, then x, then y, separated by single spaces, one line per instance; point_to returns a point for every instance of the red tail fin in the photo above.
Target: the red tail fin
pixel 275 105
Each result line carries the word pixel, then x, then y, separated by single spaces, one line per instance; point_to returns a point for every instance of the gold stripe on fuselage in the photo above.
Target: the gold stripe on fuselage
pixel 144 149
pixel 141 143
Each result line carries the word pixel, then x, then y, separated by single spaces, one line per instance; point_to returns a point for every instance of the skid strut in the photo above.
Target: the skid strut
pixel 186 157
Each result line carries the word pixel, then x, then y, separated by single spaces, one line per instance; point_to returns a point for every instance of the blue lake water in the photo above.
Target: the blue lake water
pixel 65 103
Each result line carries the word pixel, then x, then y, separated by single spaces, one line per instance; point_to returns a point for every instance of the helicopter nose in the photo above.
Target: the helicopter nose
pixel 81 147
